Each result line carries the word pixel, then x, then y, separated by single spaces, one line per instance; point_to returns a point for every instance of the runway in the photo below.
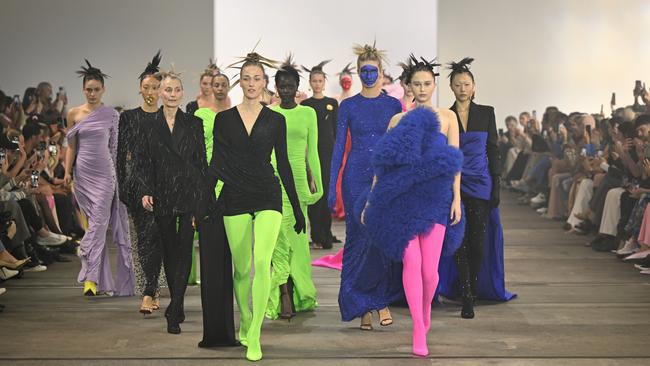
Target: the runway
pixel 574 307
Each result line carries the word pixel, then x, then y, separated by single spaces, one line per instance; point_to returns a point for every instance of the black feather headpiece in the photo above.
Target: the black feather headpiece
pixel 152 67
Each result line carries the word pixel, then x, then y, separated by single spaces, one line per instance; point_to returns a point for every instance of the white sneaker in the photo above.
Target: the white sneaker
pixel 542 210
pixel 518 184
pixel 646 272
pixel 640 267
pixel 50 240
pixel 2 290
pixel 630 247
pixel 6 273
pixel 39 268
pixel 540 198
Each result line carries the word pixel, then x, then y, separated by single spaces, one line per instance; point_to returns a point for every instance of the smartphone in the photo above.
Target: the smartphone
pixel 500 131
pixel 613 101
pixel 34 178
pixel 588 127
pixel 535 115
pixel 16 99
pixel 3 155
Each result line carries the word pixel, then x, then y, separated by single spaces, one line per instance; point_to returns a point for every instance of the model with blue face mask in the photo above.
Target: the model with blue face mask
pixel 369 280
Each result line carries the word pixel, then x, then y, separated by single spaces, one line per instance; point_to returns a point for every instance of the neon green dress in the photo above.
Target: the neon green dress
pixel 291 256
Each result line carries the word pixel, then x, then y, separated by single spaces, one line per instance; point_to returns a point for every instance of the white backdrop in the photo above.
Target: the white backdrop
pixel 531 54
pixel 315 31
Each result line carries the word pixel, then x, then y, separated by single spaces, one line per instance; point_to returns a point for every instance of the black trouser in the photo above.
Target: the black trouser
pixel 66 214
pixel 470 253
pixel 627 206
pixel 216 284
pixel 148 247
pixel 518 167
pixel 320 217
pixel 31 215
pixel 176 237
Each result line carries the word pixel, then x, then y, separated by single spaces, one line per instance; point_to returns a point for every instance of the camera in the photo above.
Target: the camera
pixel 34 179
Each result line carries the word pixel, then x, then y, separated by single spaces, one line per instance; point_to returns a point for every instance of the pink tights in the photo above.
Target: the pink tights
pixel 420 280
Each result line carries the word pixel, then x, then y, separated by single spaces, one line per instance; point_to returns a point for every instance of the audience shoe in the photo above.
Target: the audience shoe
pixel 606 244
pixel 16 265
pixel 2 290
pixel 630 247
pixel 35 268
pixel 542 210
pixel 540 198
pixel 518 184
pixel 646 272
pixel 50 240
pixel 638 256
pixel 641 267
pixel 6 273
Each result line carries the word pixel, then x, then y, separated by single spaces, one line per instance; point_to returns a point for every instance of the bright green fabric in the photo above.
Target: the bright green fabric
pixel 240 229
pixel 291 256
pixel 207 115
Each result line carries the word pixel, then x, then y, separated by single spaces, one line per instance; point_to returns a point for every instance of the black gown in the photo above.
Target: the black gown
pixel 146 241
pixel 477 211
pixel 320 217
pixel 171 168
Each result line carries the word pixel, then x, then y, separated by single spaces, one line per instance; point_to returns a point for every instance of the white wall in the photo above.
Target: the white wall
pixel 531 54
pixel 48 41
pixel 320 30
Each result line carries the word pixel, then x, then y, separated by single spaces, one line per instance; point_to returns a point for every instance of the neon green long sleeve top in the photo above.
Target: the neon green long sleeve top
pixel 302 139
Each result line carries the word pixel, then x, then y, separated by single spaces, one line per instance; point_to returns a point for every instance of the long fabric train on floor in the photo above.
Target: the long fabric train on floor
pixel 491 277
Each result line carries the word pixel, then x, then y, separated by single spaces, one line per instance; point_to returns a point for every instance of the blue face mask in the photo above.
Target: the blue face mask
pixel 369 75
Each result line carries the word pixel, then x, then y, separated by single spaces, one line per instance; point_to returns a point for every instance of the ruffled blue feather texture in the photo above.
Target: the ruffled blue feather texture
pixel 415 169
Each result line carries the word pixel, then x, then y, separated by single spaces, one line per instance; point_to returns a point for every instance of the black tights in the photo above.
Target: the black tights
pixel 470 253
pixel 177 258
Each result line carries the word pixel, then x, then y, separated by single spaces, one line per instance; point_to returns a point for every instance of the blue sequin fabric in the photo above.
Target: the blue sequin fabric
pixel 369 280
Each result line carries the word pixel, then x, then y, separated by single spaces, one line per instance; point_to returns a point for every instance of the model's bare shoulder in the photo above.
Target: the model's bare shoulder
pixel 395 120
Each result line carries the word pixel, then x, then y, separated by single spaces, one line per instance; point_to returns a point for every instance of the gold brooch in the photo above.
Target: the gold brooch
pixel 329 107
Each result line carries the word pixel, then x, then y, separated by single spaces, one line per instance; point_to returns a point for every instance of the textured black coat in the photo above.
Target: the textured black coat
pixel 172 166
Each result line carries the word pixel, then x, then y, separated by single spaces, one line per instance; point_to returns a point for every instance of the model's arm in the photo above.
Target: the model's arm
pixel 284 170
pixel 219 147
pixel 71 151
pixel 312 156
pixel 337 154
pixel 493 158
pixel 334 114
pixel 123 147
pixel 453 139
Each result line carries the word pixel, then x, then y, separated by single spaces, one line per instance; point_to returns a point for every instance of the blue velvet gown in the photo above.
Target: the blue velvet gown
pixel 369 280
pixel 477 183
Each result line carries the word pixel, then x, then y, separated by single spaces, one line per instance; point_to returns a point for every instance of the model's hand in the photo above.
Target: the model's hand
pixel 67 179
pixel 312 186
pixel 300 225
pixel 331 201
pixel 147 203
pixel 455 213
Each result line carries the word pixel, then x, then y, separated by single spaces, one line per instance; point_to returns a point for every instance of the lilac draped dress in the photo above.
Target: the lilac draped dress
pixel 95 189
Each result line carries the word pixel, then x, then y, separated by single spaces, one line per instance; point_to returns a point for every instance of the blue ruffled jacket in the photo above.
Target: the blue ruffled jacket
pixel 415 169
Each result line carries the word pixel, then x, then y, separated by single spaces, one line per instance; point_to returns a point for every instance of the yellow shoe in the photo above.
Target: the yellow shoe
pixel 90 288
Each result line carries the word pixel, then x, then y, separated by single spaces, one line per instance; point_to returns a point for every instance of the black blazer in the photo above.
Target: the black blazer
pixel 481 118
pixel 172 166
